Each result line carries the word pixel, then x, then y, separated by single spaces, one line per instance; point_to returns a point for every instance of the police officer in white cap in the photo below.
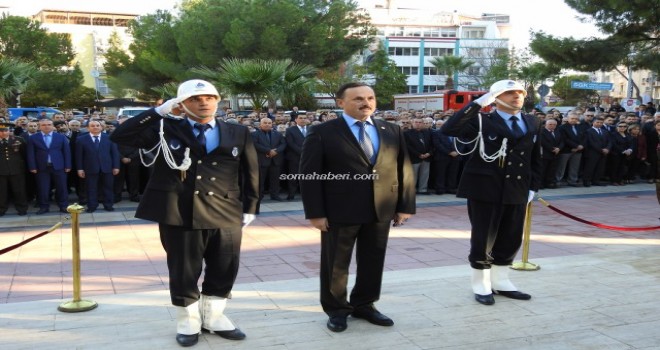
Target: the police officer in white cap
pixel 203 190
pixel 500 177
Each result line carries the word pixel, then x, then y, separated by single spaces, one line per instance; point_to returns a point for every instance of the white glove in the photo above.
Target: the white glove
pixel 167 107
pixel 530 198
pixel 486 100
pixel 248 218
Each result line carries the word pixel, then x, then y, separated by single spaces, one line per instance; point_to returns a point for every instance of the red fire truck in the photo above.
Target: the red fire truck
pixel 440 100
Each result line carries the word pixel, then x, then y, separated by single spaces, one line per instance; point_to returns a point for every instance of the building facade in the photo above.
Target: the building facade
pixel 413 37
pixel 89 33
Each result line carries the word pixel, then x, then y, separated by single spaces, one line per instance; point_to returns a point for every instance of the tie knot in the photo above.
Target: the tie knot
pixel 202 127
pixel 513 118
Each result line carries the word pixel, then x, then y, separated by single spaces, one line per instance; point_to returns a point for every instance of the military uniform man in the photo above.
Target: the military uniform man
pixel 12 170
pixel 498 180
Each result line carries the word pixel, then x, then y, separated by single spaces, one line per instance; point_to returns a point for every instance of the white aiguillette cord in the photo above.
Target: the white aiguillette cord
pixel 479 141
pixel 167 154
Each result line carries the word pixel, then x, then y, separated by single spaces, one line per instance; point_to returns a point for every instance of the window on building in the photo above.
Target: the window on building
pixel 473 70
pixel 412 31
pixel 438 51
pixel 474 33
pixel 403 51
pixel 448 32
pixel 409 70
pixel 431 32
pixel 398 31
pixel 432 88
pixel 80 20
pixel 412 89
pixel 59 19
pixel 102 21
pixel 430 71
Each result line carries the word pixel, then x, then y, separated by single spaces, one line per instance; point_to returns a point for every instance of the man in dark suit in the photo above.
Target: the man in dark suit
pixel 371 185
pixel 12 171
pixel 570 156
pixel 203 190
pixel 129 173
pixel 498 182
pixel 445 161
pixel 270 147
pixel 551 145
pixel 597 147
pixel 49 158
pixel 420 149
pixel 295 136
pixel 97 161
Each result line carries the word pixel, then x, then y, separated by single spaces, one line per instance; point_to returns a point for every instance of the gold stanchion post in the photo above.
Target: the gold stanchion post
pixel 525 265
pixel 76 305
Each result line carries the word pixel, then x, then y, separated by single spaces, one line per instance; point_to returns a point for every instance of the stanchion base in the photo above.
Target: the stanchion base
pixel 77 306
pixel 525 266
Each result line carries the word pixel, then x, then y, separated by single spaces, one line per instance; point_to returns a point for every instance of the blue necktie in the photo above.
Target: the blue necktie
pixel 47 140
pixel 96 142
pixel 201 138
pixel 517 131
pixel 365 142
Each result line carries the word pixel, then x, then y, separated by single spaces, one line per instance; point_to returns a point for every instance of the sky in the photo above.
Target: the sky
pixel 551 16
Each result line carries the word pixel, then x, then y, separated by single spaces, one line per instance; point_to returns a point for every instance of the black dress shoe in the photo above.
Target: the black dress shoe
pixel 90 210
pixel 276 198
pixel 108 208
pixel 186 340
pixel 290 197
pixel 135 199
pixel 373 316
pixel 337 323
pixel 234 334
pixel 63 210
pixel 22 213
pixel 484 299
pixel 599 184
pixel 513 294
pixel 42 211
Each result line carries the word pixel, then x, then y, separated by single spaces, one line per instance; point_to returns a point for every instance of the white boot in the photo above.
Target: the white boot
pixel 188 319
pixel 213 317
pixel 481 281
pixel 500 279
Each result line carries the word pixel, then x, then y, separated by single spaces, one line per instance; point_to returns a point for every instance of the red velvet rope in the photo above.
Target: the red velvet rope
pixel 597 224
pixel 10 248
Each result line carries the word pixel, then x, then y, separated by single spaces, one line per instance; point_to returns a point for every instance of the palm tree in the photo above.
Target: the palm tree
pixel 15 75
pixel 167 90
pixel 450 65
pixel 260 80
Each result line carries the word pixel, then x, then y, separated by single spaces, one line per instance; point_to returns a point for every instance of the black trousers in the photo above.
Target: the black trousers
pixel 294 165
pixel 129 175
pixel 336 251
pixel 99 186
pixel 497 231
pixel 446 174
pixel 272 173
pixel 187 249
pixel 594 167
pixel 14 184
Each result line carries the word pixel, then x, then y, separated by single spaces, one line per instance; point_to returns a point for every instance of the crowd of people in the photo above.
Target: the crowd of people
pixel 583 147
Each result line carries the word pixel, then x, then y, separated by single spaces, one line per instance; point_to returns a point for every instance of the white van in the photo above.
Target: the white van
pixel 131 111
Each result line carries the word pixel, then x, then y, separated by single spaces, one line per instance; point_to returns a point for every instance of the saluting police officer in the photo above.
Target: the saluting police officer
pixel 12 170
pixel 498 182
pixel 204 187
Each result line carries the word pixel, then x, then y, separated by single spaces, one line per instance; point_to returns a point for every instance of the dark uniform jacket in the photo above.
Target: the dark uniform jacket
pixel 331 148
pixel 210 195
pixel 506 181
pixel 12 156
